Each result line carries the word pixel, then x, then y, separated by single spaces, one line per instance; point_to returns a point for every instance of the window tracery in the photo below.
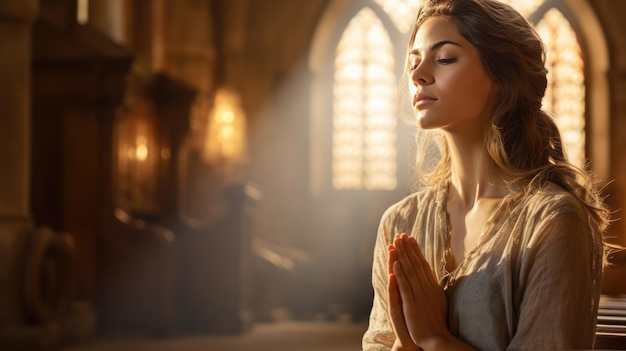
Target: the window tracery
pixel 364 151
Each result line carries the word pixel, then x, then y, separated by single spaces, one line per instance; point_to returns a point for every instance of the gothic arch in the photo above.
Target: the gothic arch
pixel 325 38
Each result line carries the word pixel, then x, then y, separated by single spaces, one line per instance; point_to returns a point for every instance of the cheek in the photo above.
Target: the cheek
pixel 470 92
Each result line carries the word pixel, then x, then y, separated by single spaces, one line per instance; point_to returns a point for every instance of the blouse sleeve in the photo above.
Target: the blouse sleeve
pixel 560 282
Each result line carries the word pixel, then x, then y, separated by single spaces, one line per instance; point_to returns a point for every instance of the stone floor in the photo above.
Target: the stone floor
pixel 279 336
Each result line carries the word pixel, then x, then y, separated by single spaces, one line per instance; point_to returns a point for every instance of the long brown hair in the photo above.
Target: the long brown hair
pixel 523 141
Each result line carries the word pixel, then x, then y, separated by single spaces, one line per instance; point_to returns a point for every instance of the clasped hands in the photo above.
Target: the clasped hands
pixel 417 303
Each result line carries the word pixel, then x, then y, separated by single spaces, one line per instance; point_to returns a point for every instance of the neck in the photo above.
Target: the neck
pixel 474 175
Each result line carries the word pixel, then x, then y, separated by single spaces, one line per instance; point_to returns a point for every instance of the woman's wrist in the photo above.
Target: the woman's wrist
pixel 397 346
pixel 445 342
pixel 410 348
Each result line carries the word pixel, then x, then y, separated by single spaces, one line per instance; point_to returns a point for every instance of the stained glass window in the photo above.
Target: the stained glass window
pixel 364 151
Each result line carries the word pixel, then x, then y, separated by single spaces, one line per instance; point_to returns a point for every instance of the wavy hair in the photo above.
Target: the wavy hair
pixel 523 140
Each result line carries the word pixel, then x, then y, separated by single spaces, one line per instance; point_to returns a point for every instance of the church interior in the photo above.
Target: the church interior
pixel 179 167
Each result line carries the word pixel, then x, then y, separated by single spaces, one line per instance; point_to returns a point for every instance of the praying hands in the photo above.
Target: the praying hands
pixel 417 303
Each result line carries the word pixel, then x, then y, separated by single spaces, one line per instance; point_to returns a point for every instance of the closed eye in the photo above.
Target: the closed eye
pixel 446 61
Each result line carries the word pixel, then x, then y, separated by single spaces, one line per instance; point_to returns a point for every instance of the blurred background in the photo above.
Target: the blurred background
pixel 204 166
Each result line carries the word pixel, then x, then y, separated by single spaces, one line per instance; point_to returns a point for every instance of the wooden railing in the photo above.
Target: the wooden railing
pixel 611 325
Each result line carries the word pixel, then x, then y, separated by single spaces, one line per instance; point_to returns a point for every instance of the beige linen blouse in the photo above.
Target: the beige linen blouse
pixel 532 282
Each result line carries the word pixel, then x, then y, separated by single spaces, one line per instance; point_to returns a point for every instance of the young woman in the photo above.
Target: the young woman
pixel 503 247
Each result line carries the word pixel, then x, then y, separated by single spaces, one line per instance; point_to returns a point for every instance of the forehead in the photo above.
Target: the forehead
pixel 434 30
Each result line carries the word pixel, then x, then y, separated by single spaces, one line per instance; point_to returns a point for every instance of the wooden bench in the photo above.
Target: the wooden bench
pixel 611 324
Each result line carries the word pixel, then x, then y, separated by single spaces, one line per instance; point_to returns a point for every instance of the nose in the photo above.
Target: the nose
pixel 421 76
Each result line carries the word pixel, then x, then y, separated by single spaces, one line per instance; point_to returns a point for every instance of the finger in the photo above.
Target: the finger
pixel 409 267
pixel 396 315
pixel 416 264
pixel 423 263
pixel 395 302
pixel 405 286
pixel 393 257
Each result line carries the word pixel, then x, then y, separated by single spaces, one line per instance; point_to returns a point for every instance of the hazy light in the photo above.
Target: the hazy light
pixel 402 12
pixel 225 137
pixel 142 148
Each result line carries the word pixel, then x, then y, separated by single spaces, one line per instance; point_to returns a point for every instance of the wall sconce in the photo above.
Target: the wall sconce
pixel 137 159
pixel 224 142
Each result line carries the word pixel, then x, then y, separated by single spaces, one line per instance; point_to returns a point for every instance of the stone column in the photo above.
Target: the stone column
pixel 16 17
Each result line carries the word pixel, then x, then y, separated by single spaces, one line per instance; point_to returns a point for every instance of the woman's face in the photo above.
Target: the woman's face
pixel 447 81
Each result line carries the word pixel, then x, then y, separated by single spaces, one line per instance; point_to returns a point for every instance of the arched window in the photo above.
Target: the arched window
pixel 364 121
pixel 365 107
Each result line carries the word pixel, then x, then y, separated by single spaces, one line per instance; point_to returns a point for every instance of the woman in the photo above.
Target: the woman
pixel 503 248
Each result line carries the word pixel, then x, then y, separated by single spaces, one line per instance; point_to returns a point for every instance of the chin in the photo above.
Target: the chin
pixel 423 122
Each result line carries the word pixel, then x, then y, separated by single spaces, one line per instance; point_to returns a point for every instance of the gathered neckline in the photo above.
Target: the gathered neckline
pixel 442 199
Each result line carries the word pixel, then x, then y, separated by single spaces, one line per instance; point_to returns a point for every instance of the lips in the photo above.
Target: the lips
pixel 421 99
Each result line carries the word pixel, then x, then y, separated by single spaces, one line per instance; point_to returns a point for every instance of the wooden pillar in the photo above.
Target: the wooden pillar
pixel 16 17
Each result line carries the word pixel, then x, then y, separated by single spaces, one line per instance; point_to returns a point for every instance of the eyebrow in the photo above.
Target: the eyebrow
pixel 435 46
